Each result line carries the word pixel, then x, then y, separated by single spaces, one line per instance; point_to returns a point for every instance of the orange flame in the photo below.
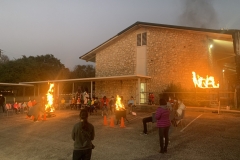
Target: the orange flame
pixel 49 107
pixel 201 82
pixel 119 105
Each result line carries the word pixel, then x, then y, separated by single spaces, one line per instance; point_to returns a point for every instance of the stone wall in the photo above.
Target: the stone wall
pixel 172 55
pixel 117 59
pixel 125 88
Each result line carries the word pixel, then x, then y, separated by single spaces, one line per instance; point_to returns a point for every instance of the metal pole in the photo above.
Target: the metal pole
pixel 91 89
pixel 138 89
pixel 34 92
pixel 219 107
pixel 73 88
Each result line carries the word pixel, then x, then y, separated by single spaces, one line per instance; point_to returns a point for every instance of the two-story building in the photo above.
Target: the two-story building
pixel 147 57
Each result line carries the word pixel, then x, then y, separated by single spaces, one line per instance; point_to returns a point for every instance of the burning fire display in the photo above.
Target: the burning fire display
pixel 201 82
pixel 49 106
pixel 119 105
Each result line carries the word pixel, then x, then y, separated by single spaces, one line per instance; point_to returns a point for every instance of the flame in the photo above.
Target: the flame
pixel 119 105
pixel 201 82
pixel 49 107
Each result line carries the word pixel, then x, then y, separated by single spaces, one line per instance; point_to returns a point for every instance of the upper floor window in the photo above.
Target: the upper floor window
pixel 142 39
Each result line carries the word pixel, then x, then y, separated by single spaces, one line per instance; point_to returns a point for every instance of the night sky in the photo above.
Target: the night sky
pixel 68 29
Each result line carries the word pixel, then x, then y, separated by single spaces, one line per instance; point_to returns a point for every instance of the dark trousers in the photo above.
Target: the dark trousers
pixel 145 121
pixel 82 154
pixel 163 133
pixel 3 107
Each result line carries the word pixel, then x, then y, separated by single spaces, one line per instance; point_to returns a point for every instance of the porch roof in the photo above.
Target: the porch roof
pixel 110 78
pixel 16 84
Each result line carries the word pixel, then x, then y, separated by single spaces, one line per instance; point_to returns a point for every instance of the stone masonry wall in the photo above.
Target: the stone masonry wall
pixel 172 55
pixel 125 88
pixel 117 59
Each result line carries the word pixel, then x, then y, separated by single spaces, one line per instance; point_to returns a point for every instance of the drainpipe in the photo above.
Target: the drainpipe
pixel 236 45
pixel 138 90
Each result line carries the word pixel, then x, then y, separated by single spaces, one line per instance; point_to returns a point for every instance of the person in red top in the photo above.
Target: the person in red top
pixel 15 106
pixel 34 102
pixel 104 104
pixel 152 98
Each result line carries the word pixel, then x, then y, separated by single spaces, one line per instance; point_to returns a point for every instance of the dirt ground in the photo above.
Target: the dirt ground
pixel 205 136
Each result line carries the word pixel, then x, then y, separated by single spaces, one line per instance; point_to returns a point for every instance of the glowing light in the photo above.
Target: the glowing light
pixel 49 106
pixel 211 46
pixel 201 82
pixel 119 105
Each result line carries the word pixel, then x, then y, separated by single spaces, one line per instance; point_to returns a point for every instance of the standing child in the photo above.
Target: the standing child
pixel 112 105
pixel 82 134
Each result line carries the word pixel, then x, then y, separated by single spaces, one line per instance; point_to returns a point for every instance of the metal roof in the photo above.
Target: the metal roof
pixel 16 84
pixel 124 77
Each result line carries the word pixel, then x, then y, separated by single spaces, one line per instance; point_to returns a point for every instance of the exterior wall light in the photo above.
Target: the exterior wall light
pixel 211 46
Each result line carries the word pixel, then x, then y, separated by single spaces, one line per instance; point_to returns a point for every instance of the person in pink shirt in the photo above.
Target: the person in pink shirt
pixel 163 123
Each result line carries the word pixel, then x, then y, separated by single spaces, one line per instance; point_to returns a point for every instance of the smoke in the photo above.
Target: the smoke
pixel 199 14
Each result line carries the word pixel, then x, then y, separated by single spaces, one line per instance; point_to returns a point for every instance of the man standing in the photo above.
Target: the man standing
pixel 2 100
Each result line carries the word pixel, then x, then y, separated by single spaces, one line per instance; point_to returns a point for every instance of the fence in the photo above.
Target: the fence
pixel 207 98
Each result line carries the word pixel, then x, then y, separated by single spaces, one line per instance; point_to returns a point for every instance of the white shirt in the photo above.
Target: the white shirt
pixel 180 109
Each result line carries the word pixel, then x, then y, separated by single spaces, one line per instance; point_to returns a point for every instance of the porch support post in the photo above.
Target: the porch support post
pixel 91 88
pixel 23 94
pixel 138 90
pixel 73 88
pixel 38 89
pixel 34 91
pixel 58 89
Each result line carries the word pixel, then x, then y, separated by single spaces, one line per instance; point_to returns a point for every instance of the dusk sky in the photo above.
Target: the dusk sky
pixel 68 29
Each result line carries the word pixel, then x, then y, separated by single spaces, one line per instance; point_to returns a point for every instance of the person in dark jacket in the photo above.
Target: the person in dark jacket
pixel 82 134
pixel 35 112
pixel 2 100
pixel 163 123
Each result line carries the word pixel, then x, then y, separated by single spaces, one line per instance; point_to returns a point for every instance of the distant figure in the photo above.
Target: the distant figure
pixel 112 105
pixel 35 112
pixel 179 113
pixel 34 102
pixel 24 106
pixel 62 103
pixel 146 120
pixel 104 105
pixel 82 134
pixel 2 100
pixel 29 104
pixel 150 99
pixel 73 103
pixel 15 107
pixel 131 104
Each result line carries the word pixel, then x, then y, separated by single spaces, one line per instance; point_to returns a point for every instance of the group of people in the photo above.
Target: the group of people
pixel 169 113
pixel 90 104
pixel 109 106
pixel 18 106
pixel 106 105
pixel 83 132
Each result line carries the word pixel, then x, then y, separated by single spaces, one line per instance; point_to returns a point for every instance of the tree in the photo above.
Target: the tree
pixel 3 58
pixel 83 71
pixel 39 68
